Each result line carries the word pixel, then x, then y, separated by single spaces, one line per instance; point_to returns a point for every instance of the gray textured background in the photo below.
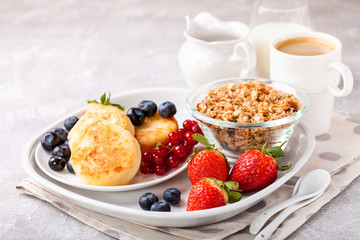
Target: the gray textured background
pixel 56 54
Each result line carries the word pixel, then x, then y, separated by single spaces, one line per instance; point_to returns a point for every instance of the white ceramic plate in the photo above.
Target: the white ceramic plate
pixel 140 180
pixel 124 205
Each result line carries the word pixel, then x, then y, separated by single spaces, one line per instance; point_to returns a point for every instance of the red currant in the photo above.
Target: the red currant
pixel 188 124
pixel 145 168
pixel 172 161
pixel 174 137
pixel 189 138
pixel 180 151
pixel 195 122
pixel 160 151
pixel 147 157
pixel 158 160
pixel 159 170
pixel 196 129
pixel 171 145
pixel 188 146
pixel 181 131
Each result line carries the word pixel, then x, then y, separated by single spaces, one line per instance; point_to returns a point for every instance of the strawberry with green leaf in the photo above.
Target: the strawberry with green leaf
pixel 207 163
pixel 257 168
pixel 210 193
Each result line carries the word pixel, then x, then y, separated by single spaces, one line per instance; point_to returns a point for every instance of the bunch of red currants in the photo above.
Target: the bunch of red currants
pixel 169 155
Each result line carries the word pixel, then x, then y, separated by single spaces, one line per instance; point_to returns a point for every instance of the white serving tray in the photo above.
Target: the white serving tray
pixel 124 204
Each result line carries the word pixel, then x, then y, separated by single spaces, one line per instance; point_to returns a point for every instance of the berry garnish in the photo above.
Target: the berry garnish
pixel 167 109
pixel 147 200
pixel 49 141
pixel 161 206
pixel 145 168
pixel 70 122
pixel 147 157
pixel 207 163
pixel 69 167
pixel 168 155
pixel 180 151
pixel 188 124
pixel 62 133
pixel 57 163
pixel 158 160
pixel 159 170
pixel 136 116
pixel 172 195
pixel 189 138
pixel 148 107
pixel 161 150
pixel 62 151
pixel 172 161
pixel 174 137
pixel 263 160
pixel 210 193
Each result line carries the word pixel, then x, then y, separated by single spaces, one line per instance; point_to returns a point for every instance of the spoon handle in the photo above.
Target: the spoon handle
pixel 270 229
pixel 262 218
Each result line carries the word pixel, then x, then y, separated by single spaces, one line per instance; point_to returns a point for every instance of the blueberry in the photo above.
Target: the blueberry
pixel 62 133
pixel 167 110
pixel 172 195
pixel 69 167
pixel 62 151
pixel 57 163
pixel 136 116
pixel 49 141
pixel 161 206
pixel 148 107
pixel 66 142
pixel 70 122
pixel 147 200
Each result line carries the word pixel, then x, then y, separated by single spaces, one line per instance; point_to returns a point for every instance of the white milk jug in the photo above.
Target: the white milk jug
pixel 215 49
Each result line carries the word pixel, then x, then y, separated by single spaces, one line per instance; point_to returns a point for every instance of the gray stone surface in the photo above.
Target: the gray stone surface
pixel 56 54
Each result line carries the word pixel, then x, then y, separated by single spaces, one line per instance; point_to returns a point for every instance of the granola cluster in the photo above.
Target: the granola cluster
pixel 250 102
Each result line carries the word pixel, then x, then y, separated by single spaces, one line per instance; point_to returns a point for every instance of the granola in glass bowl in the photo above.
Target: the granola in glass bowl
pixel 237 113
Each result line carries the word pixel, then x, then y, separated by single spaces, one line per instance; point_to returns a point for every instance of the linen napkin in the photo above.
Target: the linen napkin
pixel 334 151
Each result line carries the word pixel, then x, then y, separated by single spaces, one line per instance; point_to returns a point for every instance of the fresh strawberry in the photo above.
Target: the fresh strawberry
pixel 257 168
pixel 210 193
pixel 207 163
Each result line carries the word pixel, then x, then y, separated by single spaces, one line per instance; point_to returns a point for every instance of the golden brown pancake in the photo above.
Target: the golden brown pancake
pixel 96 111
pixel 103 153
pixel 154 129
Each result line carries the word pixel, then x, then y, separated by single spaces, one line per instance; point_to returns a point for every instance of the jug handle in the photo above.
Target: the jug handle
pixel 250 55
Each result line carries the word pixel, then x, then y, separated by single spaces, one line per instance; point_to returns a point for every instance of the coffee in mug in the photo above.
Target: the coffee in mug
pixel 312 63
pixel 305 46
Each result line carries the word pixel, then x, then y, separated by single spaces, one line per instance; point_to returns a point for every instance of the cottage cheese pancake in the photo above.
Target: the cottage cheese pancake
pixel 103 153
pixel 108 113
pixel 155 129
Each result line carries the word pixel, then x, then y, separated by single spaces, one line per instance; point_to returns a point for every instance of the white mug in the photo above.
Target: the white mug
pixel 316 75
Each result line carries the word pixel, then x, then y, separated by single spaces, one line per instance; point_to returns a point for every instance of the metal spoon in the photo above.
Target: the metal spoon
pixel 309 186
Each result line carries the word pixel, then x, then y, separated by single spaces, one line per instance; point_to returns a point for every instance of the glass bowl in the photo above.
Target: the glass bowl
pixel 233 137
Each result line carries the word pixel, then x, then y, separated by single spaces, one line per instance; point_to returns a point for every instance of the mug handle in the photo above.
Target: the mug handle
pixel 250 56
pixel 347 77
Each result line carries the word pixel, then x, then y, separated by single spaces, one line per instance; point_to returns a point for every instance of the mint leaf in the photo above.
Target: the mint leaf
pixel 102 98
pixel 106 101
